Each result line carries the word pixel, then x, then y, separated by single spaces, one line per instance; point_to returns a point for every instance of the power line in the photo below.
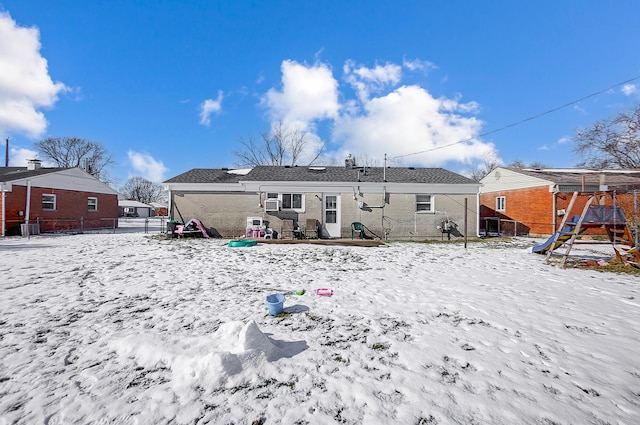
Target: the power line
pixel 531 118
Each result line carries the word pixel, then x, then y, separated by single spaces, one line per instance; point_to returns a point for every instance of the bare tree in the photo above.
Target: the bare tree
pixel 282 146
pixel 488 165
pixel 610 143
pixel 518 163
pixel 142 190
pixel 93 157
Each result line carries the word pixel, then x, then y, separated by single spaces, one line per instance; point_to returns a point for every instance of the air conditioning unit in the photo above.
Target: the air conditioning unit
pixel 272 205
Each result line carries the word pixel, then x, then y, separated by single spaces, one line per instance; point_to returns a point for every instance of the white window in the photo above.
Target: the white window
pixel 92 204
pixel 424 203
pixel 48 202
pixel 501 203
pixel 292 201
pixel 331 209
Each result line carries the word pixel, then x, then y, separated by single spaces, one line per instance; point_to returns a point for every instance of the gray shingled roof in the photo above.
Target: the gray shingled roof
pixel 592 178
pixel 206 175
pixel 8 174
pixel 325 174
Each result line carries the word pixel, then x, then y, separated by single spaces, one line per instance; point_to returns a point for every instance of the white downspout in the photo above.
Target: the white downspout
pixel 4 209
pixel 478 212
pixel 28 207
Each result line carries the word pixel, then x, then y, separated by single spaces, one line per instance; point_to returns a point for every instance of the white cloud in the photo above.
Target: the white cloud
pixel 371 80
pixel 564 139
pixel 381 118
pixel 25 84
pixel 418 65
pixel 308 93
pixel 410 120
pixel 18 157
pixel 209 107
pixel 629 89
pixel 146 166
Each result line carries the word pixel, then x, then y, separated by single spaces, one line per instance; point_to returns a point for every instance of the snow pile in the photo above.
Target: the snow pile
pixel 202 361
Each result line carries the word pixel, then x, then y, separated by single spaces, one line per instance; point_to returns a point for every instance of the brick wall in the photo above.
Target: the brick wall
pixel 532 206
pixel 227 213
pixel 71 207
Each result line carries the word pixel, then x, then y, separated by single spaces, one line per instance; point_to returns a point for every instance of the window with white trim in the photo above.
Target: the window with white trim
pixel 48 202
pixel 501 203
pixel 292 201
pixel 424 203
pixel 92 204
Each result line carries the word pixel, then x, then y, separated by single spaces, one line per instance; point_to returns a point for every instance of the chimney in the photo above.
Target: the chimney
pixel 33 164
pixel 349 162
pixel 603 185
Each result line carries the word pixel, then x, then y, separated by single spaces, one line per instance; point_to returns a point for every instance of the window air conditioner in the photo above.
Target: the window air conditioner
pixel 272 205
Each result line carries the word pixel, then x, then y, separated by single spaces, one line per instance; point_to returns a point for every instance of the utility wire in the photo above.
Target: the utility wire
pixel 531 118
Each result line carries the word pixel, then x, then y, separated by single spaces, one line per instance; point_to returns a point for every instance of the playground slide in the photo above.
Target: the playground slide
pixel 565 235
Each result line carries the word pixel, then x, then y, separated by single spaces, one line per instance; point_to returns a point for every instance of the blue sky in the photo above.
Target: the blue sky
pixel 168 86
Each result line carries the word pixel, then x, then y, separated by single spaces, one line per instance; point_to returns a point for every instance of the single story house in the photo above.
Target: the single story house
pixel 129 208
pixel 533 201
pixel 159 209
pixel 54 199
pixel 391 202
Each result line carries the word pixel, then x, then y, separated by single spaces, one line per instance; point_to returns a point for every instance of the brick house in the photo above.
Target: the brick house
pixel 54 199
pixel 394 202
pixel 532 201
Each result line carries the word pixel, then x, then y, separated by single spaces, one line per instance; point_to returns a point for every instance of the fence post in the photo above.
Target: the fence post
pixel 114 225
pixel 146 225
pixel 635 216
pixel 81 224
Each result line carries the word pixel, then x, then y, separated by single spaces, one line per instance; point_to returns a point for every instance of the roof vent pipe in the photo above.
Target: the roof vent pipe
pixel 384 169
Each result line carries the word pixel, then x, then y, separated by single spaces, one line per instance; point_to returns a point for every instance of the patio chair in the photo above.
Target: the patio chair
pixel 311 230
pixel 357 227
pixel 287 229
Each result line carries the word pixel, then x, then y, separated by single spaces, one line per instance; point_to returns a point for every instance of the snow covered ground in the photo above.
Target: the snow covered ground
pixel 132 328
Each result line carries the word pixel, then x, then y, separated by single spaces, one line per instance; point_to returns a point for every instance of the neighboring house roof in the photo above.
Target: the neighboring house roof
pixel 9 174
pixel 324 174
pixel 567 179
pixel 158 205
pixel 64 178
pixel 575 176
pixel 129 203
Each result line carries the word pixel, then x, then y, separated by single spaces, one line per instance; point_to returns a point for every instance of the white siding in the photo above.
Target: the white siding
pixel 502 179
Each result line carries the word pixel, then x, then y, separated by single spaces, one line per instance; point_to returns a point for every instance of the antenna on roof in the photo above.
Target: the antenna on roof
pixel 384 169
pixel 6 154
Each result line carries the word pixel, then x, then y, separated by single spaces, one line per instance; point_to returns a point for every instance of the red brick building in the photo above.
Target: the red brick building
pixel 533 201
pixel 54 199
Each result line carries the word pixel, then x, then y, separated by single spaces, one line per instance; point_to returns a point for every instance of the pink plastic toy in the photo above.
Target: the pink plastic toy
pixel 324 292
